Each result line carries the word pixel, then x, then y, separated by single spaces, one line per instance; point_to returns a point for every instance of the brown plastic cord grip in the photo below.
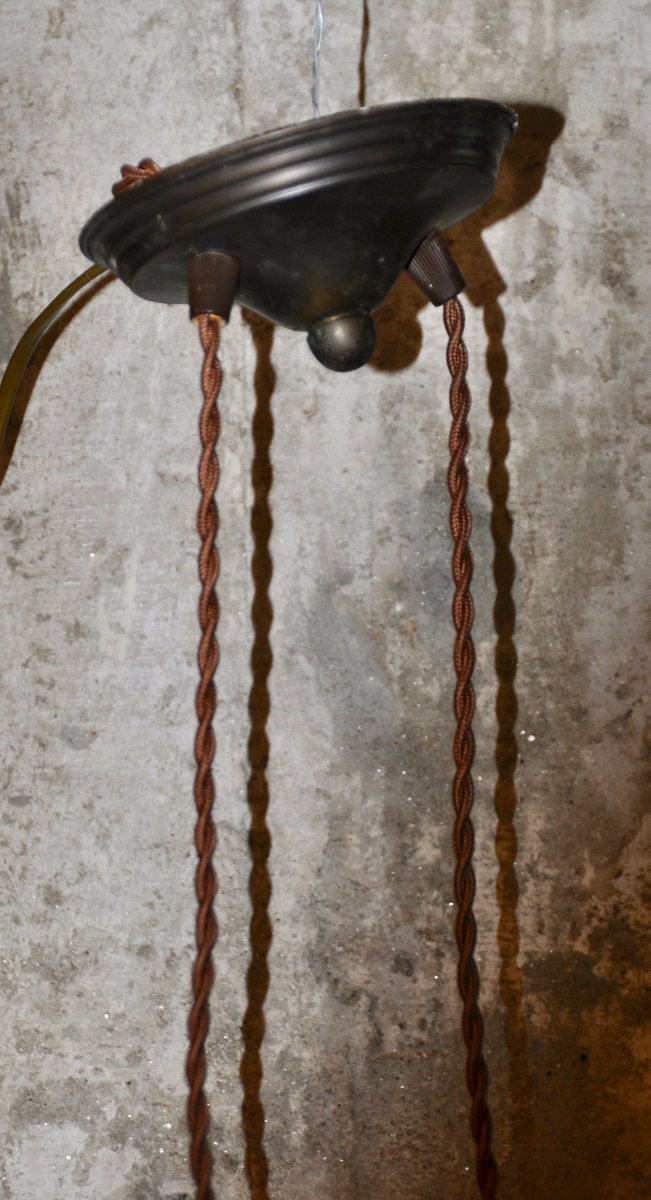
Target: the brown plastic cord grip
pixel 435 271
pixel 213 277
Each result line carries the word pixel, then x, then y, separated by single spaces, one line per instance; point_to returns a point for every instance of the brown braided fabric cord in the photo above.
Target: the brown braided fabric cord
pixel 205 702
pixel 130 175
pixel 464 748
pixel 204 748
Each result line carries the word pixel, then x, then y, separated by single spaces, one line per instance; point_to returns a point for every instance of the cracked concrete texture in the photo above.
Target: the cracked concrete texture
pixel 363 1072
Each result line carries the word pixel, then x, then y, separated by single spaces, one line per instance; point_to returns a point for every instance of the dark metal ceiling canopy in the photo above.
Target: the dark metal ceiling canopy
pixel 322 217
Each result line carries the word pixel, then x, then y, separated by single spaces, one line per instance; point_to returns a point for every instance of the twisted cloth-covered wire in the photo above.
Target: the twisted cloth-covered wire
pixel 204 748
pixel 130 175
pixel 464 748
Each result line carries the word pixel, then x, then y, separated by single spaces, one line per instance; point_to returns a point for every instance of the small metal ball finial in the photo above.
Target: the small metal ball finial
pixel 343 343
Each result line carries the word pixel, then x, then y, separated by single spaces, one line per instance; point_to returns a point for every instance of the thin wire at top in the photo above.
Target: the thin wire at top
pixel 316 63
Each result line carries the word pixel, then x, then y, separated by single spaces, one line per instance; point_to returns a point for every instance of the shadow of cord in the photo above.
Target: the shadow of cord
pixel 399 342
pixel 260 930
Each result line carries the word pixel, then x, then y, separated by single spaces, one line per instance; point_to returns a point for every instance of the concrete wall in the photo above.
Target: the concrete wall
pixel 363 1069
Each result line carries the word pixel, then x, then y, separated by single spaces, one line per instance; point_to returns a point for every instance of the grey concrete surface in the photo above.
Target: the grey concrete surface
pixel 363 1070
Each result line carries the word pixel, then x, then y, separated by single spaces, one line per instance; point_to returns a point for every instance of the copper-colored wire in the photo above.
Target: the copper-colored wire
pixel 204 787
pixel 464 748
pixel 130 175
pixel 201 1161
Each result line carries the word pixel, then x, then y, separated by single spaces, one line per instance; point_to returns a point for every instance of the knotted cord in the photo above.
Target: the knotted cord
pixel 130 175
pixel 464 748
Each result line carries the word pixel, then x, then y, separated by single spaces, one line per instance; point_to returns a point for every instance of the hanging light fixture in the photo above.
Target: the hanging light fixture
pixel 310 226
